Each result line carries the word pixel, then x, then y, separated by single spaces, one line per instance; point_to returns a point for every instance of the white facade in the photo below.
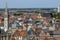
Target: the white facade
pixel 59 8
pixel 39 15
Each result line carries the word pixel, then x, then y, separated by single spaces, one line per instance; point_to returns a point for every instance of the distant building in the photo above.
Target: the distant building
pixel 59 8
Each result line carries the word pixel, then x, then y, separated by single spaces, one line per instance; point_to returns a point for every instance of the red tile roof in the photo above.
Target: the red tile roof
pixel 34 16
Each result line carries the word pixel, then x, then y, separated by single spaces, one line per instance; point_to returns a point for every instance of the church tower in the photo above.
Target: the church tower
pixel 59 8
pixel 39 15
pixel 6 19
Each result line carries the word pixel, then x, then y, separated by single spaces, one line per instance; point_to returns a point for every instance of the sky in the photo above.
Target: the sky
pixel 29 3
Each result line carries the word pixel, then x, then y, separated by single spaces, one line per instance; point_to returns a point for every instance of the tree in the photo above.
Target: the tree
pixel 54 15
pixel 57 15
pixel 18 14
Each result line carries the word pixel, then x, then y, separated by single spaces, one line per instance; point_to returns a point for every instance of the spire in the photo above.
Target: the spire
pixel 6 18
pixel 6 7
pixel 6 10
pixel 59 8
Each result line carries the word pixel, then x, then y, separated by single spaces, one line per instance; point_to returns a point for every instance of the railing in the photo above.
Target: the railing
pixel 10 37
pixel 34 38
pixel 5 37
